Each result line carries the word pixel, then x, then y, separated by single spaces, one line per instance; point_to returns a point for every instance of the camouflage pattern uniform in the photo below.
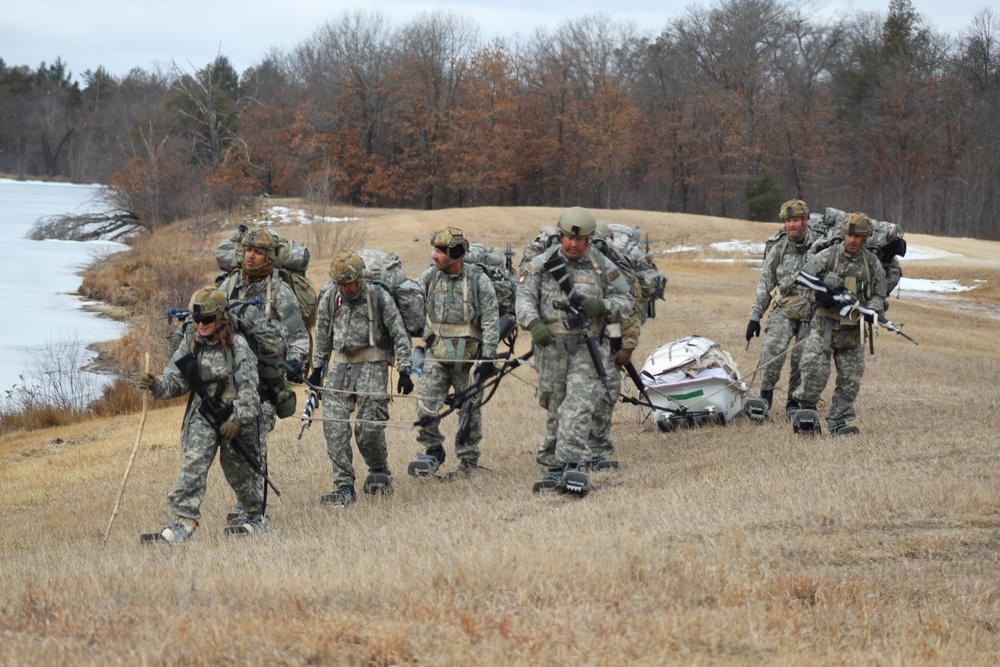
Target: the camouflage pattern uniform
pixel 463 325
pixel 366 332
pixel 568 384
pixel 790 317
pixel 235 370
pixel 278 303
pixel 837 337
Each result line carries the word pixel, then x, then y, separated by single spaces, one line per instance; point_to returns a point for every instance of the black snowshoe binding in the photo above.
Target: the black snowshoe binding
pixel 549 481
pixel 247 525
pixel 757 408
pixel 342 497
pixel 378 482
pixel 841 428
pixel 426 463
pixel 805 421
pixel 602 464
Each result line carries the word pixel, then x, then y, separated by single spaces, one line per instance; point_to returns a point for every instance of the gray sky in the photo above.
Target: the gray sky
pixel 122 34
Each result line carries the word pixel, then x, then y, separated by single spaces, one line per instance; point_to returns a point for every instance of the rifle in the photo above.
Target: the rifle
pixel 216 414
pixel 895 328
pixel 636 378
pixel 182 313
pixel 508 262
pixel 848 302
pixel 576 318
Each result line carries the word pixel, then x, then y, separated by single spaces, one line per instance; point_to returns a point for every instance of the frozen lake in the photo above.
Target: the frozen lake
pixel 39 278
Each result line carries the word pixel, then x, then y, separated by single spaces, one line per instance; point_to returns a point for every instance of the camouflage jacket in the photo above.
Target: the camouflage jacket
pixel 594 275
pixel 449 304
pixel 837 269
pixel 279 303
pixel 782 264
pixel 371 319
pixel 233 369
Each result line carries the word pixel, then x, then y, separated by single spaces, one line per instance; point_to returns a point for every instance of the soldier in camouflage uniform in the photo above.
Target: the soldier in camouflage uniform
pixel 850 267
pixel 623 338
pixel 790 318
pixel 257 277
pixel 227 369
pixel 568 383
pixel 360 322
pixel 463 326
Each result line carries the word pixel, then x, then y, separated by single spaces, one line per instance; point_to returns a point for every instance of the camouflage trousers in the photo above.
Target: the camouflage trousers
pixel 815 368
pixel 432 388
pixel 372 378
pixel 199 441
pixel 778 335
pixel 601 442
pixel 569 388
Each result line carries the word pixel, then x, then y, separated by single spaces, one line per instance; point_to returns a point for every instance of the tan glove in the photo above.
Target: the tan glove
pixel 229 430
pixel 145 381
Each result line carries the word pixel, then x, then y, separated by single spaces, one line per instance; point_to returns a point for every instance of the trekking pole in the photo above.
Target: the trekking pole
pixel 131 458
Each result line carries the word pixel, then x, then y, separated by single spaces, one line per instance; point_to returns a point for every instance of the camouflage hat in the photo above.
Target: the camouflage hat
pixel 577 221
pixel 262 240
pixel 857 223
pixel 208 302
pixel 346 268
pixel 452 241
pixel 793 208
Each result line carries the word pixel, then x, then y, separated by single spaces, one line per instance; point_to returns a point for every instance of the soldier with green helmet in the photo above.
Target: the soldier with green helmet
pixel 569 383
pixel 848 270
pixel 462 330
pixel 228 370
pixel 258 277
pixel 360 325
pixel 784 256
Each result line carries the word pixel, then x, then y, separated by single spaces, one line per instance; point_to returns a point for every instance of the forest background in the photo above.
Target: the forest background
pixel 731 109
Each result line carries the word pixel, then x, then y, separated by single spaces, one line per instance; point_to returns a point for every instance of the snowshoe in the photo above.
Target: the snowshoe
pixel 548 482
pixel 805 421
pixel 574 481
pixel 756 409
pixel 378 482
pixel 342 497
pixel 255 525
pixel 841 428
pixel 465 470
pixel 602 464
pixel 237 513
pixel 173 532
pixel 426 464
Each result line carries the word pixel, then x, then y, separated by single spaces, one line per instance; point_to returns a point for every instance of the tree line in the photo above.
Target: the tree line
pixel 729 110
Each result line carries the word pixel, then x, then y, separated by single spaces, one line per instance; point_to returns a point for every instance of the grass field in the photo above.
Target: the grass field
pixel 736 545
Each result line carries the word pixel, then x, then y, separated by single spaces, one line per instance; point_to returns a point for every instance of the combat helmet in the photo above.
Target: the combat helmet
pixel 452 242
pixel 794 208
pixel 208 304
pixel 857 223
pixel 347 267
pixel 577 221
pixel 262 240
pixel 604 229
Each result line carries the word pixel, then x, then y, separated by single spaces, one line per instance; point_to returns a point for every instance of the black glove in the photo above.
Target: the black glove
pixel 540 334
pixel 405 385
pixel 869 317
pixel 315 381
pixel 486 369
pixel 293 369
pixel 753 329
pixel 429 341
pixel 825 300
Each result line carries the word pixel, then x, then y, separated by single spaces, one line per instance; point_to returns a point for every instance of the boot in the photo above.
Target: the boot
pixel 174 532
pixel 791 407
pixel 549 481
pixel 602 464
pixel 378 481
pixel 256 524
pixel 841 428
pixel 575 480
pixel 468 468
pixel 342 497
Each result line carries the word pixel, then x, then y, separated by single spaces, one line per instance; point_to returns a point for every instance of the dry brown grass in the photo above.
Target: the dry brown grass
pixel 720 545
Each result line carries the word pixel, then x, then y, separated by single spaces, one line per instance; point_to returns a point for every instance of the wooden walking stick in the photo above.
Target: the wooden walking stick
pixel 131 458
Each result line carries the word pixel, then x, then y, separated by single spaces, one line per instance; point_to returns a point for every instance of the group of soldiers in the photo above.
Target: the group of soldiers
pixel 579 298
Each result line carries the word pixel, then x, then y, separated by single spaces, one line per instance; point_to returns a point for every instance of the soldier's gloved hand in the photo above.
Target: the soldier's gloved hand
pixel 825 300
pixel 592 306
pixel 293 370
pixel 622 357
pixel 405 385
pixel 540 334
pixel 316 377
pixel 869 317
pixel 145 381
pixel 229 430
pixel 486 369
pixel 430 341
pixel 753 329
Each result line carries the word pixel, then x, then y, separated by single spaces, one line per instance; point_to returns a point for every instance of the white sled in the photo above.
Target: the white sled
pixel 692 381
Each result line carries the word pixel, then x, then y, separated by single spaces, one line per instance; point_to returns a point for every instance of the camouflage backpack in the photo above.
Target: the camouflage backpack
pixel 291 260
pixel 625 240
pixel 491 262
pixel 386 270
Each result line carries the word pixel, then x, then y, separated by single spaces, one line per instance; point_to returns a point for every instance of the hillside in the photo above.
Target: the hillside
pixel 743 544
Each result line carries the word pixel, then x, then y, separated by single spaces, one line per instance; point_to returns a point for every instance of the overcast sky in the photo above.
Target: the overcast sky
pixel 123 34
